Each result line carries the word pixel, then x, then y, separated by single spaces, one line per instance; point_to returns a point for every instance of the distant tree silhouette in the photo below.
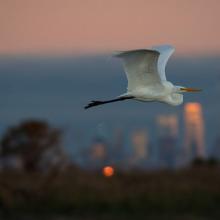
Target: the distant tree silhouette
pixel 213 161
pixel 198 162
pixel 202 162
pixel 31 141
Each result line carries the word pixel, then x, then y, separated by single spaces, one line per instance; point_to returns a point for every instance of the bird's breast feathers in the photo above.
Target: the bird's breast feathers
pixel 173 99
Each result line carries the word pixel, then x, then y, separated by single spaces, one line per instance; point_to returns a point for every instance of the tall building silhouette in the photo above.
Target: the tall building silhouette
pixel 167 125
pixel 117 152
pixel 194 144
pixel 140 145
pixel 167 140
pixel 98 155
pixel 215 153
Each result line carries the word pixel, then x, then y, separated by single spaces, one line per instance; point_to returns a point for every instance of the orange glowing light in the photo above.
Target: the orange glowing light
pixel 108 171
pixel 193 107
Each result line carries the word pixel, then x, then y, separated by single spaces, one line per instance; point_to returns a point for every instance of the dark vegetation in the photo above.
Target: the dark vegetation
pixel 192 193
pixel 67 192
pixel 33 144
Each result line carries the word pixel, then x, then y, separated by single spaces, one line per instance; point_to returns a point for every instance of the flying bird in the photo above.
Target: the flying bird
pixel 145 71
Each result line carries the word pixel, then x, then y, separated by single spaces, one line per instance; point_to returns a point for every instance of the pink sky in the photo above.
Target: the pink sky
pixel 85 26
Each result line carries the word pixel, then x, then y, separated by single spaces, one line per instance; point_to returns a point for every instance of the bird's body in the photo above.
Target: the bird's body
pixel 162 93
pixel 145 71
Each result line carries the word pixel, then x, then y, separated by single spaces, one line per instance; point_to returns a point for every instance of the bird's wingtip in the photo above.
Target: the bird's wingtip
pixel 164 47
pixel 117 53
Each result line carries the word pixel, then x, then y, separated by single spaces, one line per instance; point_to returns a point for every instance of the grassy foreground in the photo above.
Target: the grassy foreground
pixel 73 194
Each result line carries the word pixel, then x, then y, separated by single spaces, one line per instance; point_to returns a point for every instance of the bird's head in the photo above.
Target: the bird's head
pixel 181 89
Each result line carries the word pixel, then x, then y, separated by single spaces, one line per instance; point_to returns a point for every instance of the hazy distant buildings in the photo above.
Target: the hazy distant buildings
pixel 117 153
pixel 136 151
pixel 216 149
pixel 140 144
pixel 140 147
pixel 167 126
pixel 194 144
pixel 98 153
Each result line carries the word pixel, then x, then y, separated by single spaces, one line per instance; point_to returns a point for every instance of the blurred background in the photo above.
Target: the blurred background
pixel 124 160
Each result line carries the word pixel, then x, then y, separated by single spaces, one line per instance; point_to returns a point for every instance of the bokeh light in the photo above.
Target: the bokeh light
pixel 108 171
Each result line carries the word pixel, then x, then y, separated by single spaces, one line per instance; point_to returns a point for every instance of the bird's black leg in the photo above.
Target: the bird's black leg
pixel 95 103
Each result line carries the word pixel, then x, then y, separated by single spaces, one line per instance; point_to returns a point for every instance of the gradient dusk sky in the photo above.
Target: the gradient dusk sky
pixel 90 26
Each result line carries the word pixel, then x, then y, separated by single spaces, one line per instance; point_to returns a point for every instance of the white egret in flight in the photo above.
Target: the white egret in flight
pixel 145 71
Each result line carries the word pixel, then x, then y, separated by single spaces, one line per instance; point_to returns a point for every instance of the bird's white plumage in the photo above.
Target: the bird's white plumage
pixel 145 67
pixel 165 52
pixel 140 67
pixel 145 71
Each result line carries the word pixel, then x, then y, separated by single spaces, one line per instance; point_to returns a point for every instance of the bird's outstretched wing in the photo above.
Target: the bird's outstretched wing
pixel 165 52
pixel 144 67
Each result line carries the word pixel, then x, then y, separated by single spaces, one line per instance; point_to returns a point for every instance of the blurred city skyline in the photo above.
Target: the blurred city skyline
pixel 136 149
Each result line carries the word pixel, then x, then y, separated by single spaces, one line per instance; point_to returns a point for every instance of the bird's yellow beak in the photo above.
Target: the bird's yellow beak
pixel 190 90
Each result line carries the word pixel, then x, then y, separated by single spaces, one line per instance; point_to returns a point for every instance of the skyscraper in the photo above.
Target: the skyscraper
pixel 117 151
pixel 215 153
pixel 194 144
pixel 167 140
pixel 98 154
pixel 140 145
pixel 167 125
